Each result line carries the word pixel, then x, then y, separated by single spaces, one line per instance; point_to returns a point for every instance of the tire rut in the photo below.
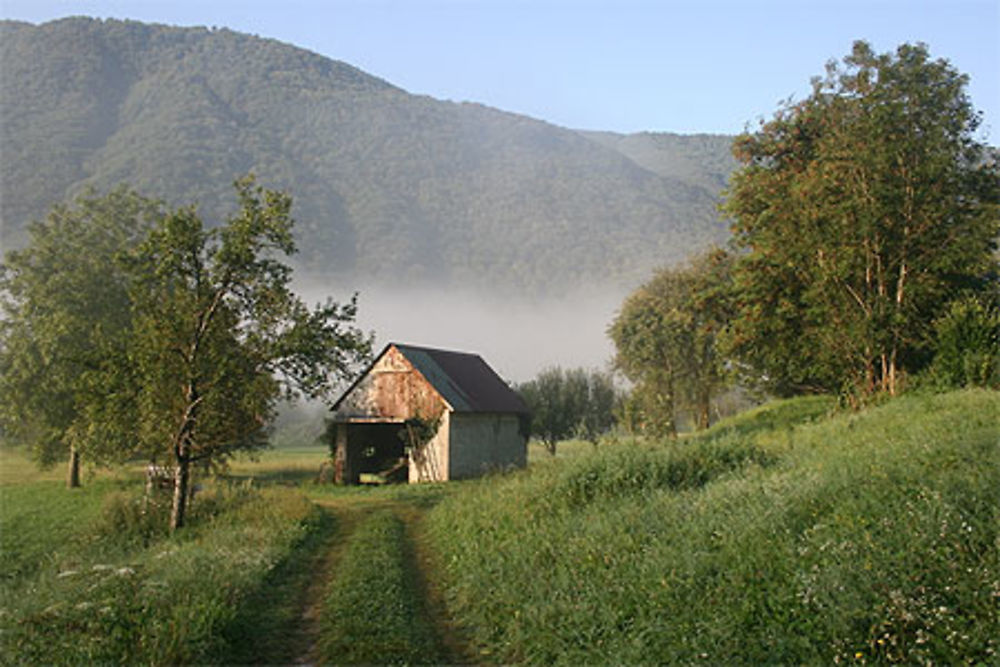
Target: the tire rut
pixel 346 522
pixel 348 514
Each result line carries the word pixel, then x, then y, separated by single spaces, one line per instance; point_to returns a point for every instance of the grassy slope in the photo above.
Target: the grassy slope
pixel 88 577
pixel 778 536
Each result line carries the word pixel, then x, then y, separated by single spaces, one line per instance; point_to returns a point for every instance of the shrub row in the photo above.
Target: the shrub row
pixel 635 470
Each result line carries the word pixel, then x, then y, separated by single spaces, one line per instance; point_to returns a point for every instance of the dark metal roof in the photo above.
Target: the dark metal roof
pixel 464 380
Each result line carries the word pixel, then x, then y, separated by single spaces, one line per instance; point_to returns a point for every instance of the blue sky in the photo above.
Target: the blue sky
pixel 623 65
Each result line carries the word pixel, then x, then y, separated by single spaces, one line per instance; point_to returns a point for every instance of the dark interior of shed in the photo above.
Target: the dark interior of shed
pixel 376 452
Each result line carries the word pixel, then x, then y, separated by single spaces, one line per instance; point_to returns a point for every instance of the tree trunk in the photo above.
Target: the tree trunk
pixel 704 409
pixel 892 373
pixel 179 508
pixel 885 372
pixel 73 472
pixel 182 454
pixel 896 336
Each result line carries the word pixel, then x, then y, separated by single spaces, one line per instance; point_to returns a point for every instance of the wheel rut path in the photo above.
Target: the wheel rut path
pixel 348 514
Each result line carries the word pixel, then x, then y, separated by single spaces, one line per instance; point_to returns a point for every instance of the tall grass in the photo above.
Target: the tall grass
pixel 118 593
pixel 777 537
pixel 42 523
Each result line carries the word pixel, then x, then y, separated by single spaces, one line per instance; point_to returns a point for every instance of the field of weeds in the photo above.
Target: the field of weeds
pixel 794 533
pixel 783 535
pixel 90 575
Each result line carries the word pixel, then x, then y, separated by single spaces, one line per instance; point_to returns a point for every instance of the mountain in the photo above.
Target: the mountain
pixel 389 187
pixel 700 160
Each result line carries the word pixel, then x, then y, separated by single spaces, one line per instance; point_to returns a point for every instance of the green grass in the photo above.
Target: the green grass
pixel 43 524
pixel 791 533
pixel 374 612
pixel 779 536
pixel 116 589
pixel 287 466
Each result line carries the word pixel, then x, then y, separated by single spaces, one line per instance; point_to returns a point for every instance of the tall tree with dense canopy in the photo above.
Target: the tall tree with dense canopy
pixel 666 338
pixel 220 337
pixel 64 329
pixel 863 211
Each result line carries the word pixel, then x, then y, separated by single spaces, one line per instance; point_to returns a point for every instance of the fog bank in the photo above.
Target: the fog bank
pixel 517 336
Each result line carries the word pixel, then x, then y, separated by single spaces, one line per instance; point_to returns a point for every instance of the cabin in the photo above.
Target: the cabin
pixel 420 414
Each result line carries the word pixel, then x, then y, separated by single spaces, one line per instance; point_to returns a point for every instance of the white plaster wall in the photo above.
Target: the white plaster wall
pixel 484 442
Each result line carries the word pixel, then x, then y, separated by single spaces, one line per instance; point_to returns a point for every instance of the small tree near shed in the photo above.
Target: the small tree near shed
pixel 219 336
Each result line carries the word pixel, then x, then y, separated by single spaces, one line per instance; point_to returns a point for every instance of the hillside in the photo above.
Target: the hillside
pixel 782 536
pixel 389 187
pixel 700 160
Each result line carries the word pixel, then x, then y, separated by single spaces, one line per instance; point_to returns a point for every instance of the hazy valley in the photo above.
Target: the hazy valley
pixel 421 204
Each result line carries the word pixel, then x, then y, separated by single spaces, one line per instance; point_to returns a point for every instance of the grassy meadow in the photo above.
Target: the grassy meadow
pixel 779 536
pixel 90 575
pixel 793 533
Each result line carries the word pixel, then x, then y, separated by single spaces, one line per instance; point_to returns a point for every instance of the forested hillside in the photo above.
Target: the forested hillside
pixel 387 186
pixel 700 160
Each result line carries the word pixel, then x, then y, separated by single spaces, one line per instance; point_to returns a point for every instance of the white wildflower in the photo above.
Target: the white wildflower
pixel 66 573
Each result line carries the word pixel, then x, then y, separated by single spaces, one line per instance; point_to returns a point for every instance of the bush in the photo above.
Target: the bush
pixel 129 518
pixel 967 352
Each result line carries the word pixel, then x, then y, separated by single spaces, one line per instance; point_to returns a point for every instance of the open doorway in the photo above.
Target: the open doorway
pixel 370 452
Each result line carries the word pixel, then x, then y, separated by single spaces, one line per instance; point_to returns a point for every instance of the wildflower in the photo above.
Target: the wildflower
pixel 124 571
pixel 101 568
pixel 66 573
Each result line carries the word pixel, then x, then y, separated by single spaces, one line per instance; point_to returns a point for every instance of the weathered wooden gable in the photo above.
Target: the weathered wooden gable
pixel 392 389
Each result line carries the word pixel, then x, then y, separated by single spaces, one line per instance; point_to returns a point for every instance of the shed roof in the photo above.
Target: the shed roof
pixel 464 380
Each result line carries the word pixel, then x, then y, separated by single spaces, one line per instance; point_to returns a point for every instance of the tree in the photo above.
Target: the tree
pixel 862 211
pixel 569 403
pixel 219 336
pixel 66 318
pixel 601 400
pixel 666 338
